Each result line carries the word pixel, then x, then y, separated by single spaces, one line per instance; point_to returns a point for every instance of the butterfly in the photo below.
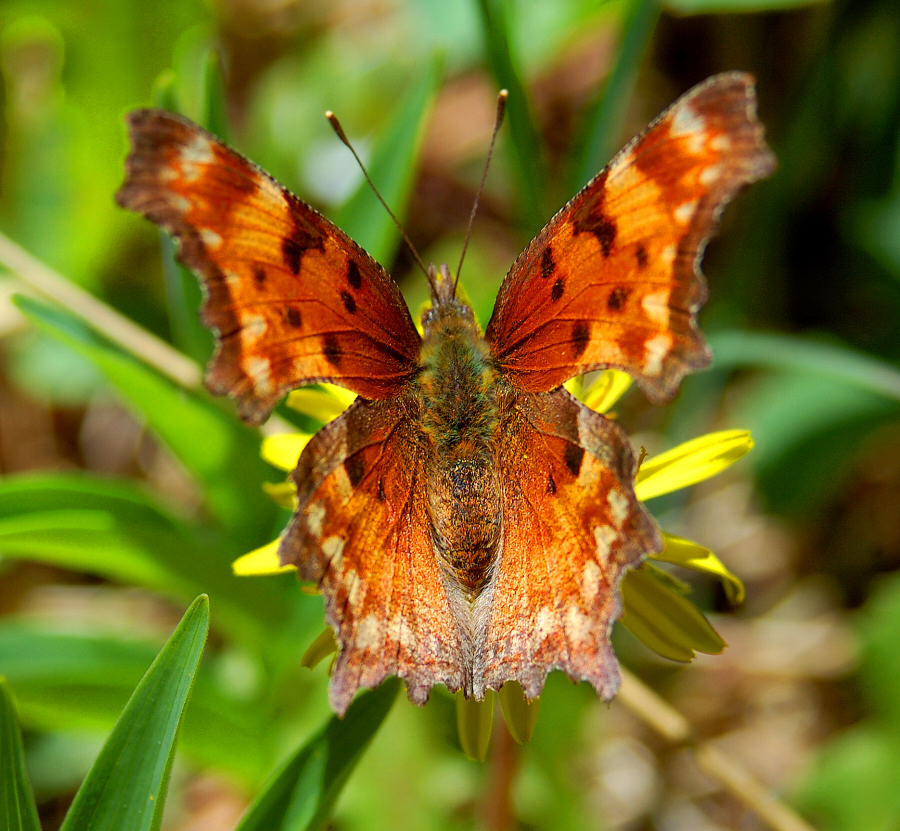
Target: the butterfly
pixel 468 521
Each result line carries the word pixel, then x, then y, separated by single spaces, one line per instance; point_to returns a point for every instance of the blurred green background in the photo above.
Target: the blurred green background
pixel 122 495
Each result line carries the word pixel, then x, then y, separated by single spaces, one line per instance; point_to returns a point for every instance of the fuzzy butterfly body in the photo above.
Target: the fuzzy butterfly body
pixel 467 520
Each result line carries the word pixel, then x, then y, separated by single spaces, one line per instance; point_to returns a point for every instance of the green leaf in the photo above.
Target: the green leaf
pixel 740 6
pixel 527 147
pixel 114 529
pixel 302 794
pixel 78 682
pixel 126 786
pixel 392 170
pixel 18 811
pixel 604 124
pixel 222 453
pixel 664 620
pixel 838 363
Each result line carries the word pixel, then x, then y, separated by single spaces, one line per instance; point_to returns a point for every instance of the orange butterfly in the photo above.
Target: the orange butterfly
pixel 467 520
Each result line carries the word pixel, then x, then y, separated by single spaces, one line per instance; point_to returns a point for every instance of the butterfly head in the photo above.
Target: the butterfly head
pixel 444 302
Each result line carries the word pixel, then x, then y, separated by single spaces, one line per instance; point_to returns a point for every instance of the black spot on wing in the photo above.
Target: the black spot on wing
pixel 617 298
pixel 581 337
pixel 551 485
pixel 354 277
pixel 293 317
pixel 349 302
pixel 557 291
pixel 259 276
pixel 573 456
pixel 641 256
pixel 304 236
pixel 331 350
pixel 589 217
pixel 353 465
pixel 547 264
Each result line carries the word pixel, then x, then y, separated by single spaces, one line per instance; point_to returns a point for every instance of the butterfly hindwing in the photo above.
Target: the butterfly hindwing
pixel 293 299
pixel 361 532
pixel 614 278
pixel 571 527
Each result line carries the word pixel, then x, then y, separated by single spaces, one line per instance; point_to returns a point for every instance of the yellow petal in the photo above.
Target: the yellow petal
pixel 519 713
pixel 691 462
pixel 261 561
pixel 473 721
pixel 281 493
pixel 606 390
pixel 688 554
pixel 323 403
pixel 283 449
pixel 319 649
pixel 659 616
pixel 575 386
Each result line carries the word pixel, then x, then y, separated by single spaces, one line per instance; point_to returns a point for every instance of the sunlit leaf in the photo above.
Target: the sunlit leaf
pixel 211 443
pixel 392 169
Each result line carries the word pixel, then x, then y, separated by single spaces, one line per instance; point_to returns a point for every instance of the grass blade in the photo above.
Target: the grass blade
pixel 605 124
pixel 18 811
pixel 214 446
pixel 527 147
pixel 126 786
pixel 392 170
pixel 303 793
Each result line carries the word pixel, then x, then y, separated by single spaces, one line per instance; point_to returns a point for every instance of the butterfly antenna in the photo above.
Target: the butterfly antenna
pixel 336 126
pixel 498 120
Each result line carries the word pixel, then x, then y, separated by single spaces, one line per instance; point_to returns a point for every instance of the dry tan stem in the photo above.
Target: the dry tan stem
pixel 115 326
pixel 673 726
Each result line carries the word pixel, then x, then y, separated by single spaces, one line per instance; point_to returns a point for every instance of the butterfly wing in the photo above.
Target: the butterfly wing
pixel 614 278
pixel 361 531
pixel 571 527
pixel 293 299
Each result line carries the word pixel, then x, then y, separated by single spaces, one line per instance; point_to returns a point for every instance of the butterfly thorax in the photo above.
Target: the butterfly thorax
pixel 460 393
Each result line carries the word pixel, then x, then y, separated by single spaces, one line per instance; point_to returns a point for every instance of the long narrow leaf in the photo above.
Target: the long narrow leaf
pixel 527 147
pixel 18 811
pixel 303 793
pixel 114 529
pixel 605 125
pixel 838 363
pixel 126 786
pixel 80 682
pixel 392 170
pixel 209 442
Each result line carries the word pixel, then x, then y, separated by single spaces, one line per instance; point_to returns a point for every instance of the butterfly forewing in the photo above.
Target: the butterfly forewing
pixel 614 278
pixel 293 299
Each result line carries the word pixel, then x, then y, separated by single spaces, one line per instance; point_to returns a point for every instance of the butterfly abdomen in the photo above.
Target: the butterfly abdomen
pixel 459 388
